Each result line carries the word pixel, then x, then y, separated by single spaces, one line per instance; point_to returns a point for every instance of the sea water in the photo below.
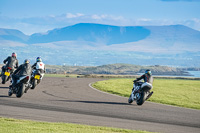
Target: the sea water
pixel 195 73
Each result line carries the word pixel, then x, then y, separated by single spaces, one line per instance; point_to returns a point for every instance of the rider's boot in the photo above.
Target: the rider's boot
pixel 10 89
pixel 25 90
pixel 150 94
pixel 29 86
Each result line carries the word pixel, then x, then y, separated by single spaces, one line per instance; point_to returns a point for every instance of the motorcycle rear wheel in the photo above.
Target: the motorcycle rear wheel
pixel 142 98
pixel 20 92
pixel 34 83
pixel 4 77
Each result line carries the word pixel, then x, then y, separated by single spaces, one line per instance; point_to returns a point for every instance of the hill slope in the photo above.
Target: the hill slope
pixel 13 35
pixel 98 33
pixel 116 69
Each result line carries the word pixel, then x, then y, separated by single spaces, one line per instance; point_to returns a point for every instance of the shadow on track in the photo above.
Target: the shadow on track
pixel 95 102
pixel 3 96
pixel 4 87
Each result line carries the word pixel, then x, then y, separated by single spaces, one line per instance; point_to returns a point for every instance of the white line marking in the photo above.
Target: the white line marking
pixel 90 85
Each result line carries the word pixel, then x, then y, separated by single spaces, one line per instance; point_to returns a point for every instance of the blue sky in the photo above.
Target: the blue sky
pixel 31 16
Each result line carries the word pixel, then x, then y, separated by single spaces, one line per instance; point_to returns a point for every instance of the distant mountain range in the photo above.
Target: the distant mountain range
pixel 105 34
pixel 163 45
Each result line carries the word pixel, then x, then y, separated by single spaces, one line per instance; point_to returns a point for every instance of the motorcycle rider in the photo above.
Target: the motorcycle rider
pixel 10 61
pixel 39 66
pixel 147 77
pixel 24 69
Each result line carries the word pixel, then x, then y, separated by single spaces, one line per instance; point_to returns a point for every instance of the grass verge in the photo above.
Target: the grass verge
pixel 178 92
pixel 9 125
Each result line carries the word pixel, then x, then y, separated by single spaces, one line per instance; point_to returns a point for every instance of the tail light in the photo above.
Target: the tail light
pixel 9 68
pixel 27 77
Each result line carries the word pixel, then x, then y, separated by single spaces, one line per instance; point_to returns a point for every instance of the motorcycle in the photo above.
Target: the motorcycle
pixel 21 86
pixel 6 75
pixel 140 93
pixel 35 78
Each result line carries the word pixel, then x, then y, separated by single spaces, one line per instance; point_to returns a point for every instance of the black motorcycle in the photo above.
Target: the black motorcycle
pixel 6 75
pixel 140 93
pixel 20 87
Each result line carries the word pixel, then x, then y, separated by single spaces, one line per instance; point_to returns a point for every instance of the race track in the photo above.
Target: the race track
pixel 71 100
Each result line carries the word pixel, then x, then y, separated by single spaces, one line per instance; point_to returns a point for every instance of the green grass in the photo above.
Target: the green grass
pixel 182 93
pixel 8 125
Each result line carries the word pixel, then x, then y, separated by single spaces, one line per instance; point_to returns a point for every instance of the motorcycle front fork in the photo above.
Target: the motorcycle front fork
pixel 133 96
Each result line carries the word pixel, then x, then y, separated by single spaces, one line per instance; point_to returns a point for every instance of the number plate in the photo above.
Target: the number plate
pixel 7 73
pixel 37 76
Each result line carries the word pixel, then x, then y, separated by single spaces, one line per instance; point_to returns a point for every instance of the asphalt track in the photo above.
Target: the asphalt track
pixel 71 100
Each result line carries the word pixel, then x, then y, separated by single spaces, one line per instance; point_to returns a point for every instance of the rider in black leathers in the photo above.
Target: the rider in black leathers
pixel 147 77
pixel 24 69
pixel 10 61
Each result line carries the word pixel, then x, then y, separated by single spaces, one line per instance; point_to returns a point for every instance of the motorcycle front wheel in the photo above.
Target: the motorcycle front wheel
pixel 130 100
pixel 10 92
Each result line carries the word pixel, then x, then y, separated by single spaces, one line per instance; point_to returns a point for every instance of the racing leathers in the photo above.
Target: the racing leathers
pixel 24 69
pixel 10 62
pixel 146 77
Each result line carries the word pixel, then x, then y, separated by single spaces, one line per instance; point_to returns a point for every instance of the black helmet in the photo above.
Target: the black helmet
pixel 14 55
pixel 26 61
pixel 38 59
pixel 148 72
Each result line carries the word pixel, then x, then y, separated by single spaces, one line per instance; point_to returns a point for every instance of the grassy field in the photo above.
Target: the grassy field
pixel 178 92
pixel 8 125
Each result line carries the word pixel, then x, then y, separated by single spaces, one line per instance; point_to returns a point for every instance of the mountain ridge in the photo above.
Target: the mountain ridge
pixel 13 35
pixel 105 34
pixel 173 45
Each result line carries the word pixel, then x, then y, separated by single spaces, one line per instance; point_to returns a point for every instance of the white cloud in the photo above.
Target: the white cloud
pixel 70 15
pixel 96 17
pixel 144 19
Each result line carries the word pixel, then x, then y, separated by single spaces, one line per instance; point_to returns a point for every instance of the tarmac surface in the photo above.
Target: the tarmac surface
pixel 72 100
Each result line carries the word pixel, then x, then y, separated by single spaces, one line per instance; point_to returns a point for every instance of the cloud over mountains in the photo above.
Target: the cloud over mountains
pixel 42 24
